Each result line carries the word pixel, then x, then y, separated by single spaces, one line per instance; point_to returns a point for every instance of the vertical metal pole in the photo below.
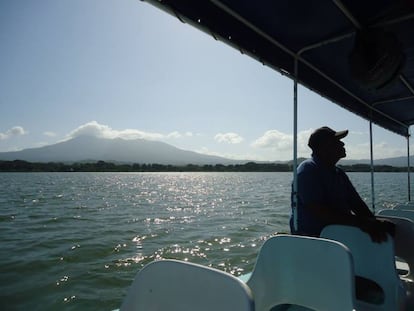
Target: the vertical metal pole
pixel 295 146
pixel 408 170
pixel 372 167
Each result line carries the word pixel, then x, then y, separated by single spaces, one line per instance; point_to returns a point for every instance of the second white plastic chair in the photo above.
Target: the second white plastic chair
pixel 309 272
pixel 409 214
pixel 372 261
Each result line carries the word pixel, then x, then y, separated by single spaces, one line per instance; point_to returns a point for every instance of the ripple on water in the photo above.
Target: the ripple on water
pixel 76 241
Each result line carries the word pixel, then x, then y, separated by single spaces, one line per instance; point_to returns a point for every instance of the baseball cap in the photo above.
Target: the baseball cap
pixel 324 134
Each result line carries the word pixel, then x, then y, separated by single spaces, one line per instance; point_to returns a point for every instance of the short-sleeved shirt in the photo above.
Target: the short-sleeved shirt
pixel 320 185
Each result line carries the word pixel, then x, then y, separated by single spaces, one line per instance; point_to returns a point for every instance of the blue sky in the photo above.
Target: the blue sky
pixel 126 69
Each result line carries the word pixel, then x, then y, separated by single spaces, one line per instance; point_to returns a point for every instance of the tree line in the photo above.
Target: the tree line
pixel 102 166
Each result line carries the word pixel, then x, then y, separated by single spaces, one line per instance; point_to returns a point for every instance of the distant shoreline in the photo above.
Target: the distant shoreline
pixel 102 166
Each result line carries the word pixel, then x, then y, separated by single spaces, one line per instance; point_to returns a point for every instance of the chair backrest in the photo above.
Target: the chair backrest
pixel 403 242
pixel 309 272
pixel 180 286
pixel 409 214
pixel 373 261
pixel 406 206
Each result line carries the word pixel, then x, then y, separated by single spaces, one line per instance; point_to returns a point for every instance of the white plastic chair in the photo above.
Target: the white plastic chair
pixel 403 242
pixel 409 214
pixel 309 272
pixel 372 261
pixel 180 286
pixel 404 250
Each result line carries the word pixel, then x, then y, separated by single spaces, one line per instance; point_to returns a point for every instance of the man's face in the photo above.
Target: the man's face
pixel 335 148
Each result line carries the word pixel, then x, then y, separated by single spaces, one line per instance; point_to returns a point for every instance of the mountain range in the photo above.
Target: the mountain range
pixel 90 148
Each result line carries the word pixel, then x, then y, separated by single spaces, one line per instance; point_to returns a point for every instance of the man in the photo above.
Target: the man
pixel 325 194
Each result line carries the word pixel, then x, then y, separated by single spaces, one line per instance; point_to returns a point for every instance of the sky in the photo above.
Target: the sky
pixel 113 68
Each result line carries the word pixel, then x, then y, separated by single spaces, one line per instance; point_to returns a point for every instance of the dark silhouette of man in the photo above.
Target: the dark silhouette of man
pixel 325 195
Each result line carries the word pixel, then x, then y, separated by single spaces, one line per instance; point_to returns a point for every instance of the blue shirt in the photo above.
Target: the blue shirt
pixel 320 185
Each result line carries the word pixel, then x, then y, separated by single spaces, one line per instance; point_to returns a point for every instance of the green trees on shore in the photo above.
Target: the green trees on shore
pixel 102 166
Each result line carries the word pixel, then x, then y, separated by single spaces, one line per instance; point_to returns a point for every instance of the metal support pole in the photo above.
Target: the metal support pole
pixel 295 146
pixel 372 167
pixel 408 168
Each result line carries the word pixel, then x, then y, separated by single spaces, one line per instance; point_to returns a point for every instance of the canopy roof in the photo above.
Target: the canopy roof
pixel 321 34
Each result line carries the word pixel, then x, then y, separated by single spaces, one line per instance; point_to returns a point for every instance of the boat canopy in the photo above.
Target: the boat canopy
pixel 358 54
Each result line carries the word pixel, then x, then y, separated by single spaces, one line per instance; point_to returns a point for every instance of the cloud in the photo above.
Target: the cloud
pixel 14 131
pixel 96 129
pixel 381 150
pixel 174 134
pixel 282 142
pixel 229 138
pixel 274 139
pixel 50 134
pixel 177 135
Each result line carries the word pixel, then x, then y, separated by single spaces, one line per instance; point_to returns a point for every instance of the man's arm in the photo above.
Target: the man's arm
pixel 332 215
pixel 358 206
pixel 375 228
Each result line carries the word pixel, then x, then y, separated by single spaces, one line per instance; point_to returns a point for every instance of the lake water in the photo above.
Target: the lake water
pixel 74 241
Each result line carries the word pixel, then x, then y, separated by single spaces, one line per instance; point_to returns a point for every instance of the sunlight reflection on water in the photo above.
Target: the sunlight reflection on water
pixel 77 240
